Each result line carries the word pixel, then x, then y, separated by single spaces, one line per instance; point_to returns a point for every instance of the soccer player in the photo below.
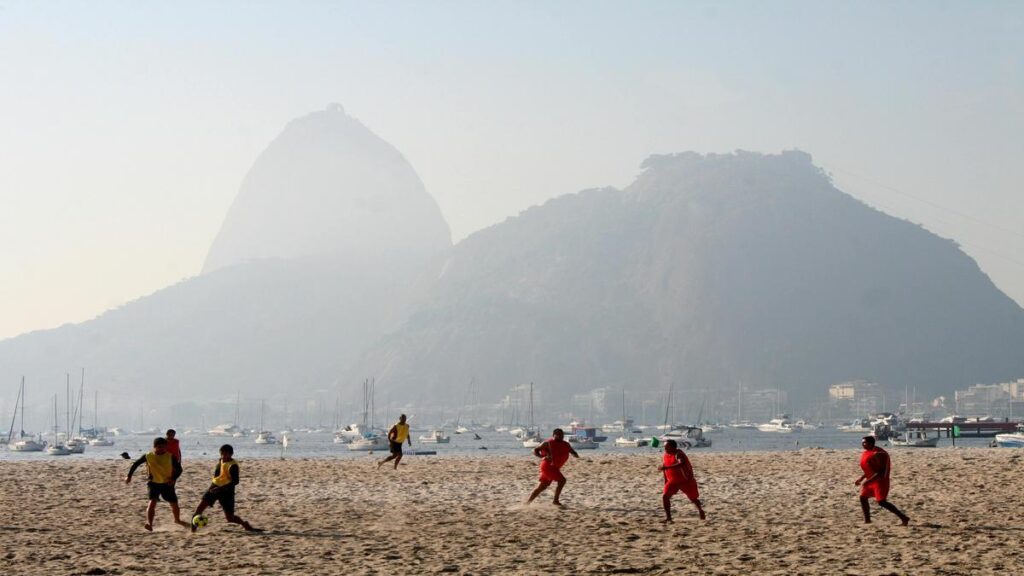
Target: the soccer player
pixel 678 478
pixel 222 489
pixel 398 434
pixel 173 446
pixel 164 470
pixel 554 453
pixel 875 463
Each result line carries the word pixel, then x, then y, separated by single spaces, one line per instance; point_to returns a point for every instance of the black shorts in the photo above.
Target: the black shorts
pixel 226 497
pixel 165 491
pixel 396 448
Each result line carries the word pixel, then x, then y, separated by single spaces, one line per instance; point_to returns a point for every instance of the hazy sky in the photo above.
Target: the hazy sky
pixel 126 127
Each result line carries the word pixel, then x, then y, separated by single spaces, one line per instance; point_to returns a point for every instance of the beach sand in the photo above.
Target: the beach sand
pixel 768 513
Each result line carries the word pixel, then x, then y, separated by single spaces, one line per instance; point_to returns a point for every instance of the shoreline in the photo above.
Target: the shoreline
pixel 793 512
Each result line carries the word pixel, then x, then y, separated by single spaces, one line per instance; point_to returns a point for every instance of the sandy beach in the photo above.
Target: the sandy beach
pixel 768 513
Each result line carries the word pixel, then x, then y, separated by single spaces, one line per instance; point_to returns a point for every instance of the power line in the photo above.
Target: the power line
pixel 932 204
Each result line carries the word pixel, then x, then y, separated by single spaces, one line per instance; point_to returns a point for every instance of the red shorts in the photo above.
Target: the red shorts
pixel 548 472
pixel 689 489
pixel 877 489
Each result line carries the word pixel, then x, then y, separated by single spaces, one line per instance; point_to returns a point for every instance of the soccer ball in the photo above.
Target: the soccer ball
pixel 200 521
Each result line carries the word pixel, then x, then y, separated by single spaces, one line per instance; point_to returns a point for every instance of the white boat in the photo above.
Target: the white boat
pixel 517 431
pixel 862 426
pixel 265 438
pixel 628 442
pixel 581 442
pixel 501 429
pixel 780 425
pixel 712 428
pixel 101 441
pixel 435 437
pixel 743 425
pixel 532 442
pixel 58 450
pixel 368 443
pixel 805 426
pixel 462 430
pixel 225 430
pixel 1012 439
pixel 24 444
pixel 77 445
pixel 686 437
pixel 914 439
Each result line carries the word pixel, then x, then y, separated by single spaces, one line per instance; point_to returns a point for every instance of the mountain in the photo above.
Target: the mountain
pixel 706 271
pixel 318 257
pixel 329 187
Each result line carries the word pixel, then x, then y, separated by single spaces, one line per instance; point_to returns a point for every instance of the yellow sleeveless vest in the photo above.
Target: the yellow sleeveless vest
pixel 401 432
pixel 161 469
pixel 224 478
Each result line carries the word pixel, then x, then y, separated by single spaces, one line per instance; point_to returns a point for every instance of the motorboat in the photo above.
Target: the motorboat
pixel 860 426
pixel 782 425
pixel 686 437
pixel 462 430
pixel 628 442
pixel 532 442
pixel 225 430
pixel 435 437
pixel 806 426
pixel 743 425
pixel 913 439
pixel 101 441
pixel 581 442
pixel 368 443
pixel 712 428
pixel 1012 439
pixel 266 438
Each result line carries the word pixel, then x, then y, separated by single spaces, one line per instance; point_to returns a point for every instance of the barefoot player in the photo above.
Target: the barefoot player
pixel 398 434
pixel 875 463
pixel 554 453
pixel 678 478
pixel 222 489
pixel 164 470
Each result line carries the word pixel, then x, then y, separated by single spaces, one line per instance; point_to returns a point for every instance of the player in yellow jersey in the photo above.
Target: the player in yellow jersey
pixel 398 435
pixel 222 489
pixel 164 470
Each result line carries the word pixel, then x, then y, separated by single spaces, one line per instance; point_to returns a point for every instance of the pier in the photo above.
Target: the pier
pixel 967 429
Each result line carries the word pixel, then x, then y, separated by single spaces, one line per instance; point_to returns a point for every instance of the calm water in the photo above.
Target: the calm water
pixel 303 445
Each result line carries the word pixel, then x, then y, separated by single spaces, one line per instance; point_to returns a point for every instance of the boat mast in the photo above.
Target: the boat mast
pixel 531 406
pixel 668 403
pixel 14 416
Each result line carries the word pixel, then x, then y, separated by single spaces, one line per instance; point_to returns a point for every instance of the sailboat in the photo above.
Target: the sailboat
pixel 264 437
pixel 57 448
pixel 77 443
pixel 23 444
pixel 100 440
pixel 531 436
pixel 625 440
pixel 369 440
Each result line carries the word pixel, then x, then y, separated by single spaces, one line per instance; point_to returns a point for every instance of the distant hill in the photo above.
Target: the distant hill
pixel 706 271
pixel 329 187
pixel 334 264
pixel 318 257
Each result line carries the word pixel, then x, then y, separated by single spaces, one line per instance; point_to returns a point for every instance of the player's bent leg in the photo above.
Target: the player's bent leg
pixel 541 486
pixel 866 509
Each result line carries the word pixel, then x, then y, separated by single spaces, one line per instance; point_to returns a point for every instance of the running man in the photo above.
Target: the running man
pixel 398 434
pixel 222 489
pixel 173 446
pixel 164 470
pixel 875 464
pixel 678 478
pixel 554 453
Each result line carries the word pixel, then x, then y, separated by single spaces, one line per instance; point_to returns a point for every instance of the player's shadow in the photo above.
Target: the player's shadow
pixel 305 534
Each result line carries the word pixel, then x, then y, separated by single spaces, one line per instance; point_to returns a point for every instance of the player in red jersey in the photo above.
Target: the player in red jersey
pixel 678 478
pixel 554 453
pixel 876 466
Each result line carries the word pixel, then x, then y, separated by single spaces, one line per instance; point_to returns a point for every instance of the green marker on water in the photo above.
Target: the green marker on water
pixel 655 442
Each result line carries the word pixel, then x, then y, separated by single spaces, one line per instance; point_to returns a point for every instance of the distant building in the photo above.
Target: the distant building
pixel 856 399
pixel 1003 400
